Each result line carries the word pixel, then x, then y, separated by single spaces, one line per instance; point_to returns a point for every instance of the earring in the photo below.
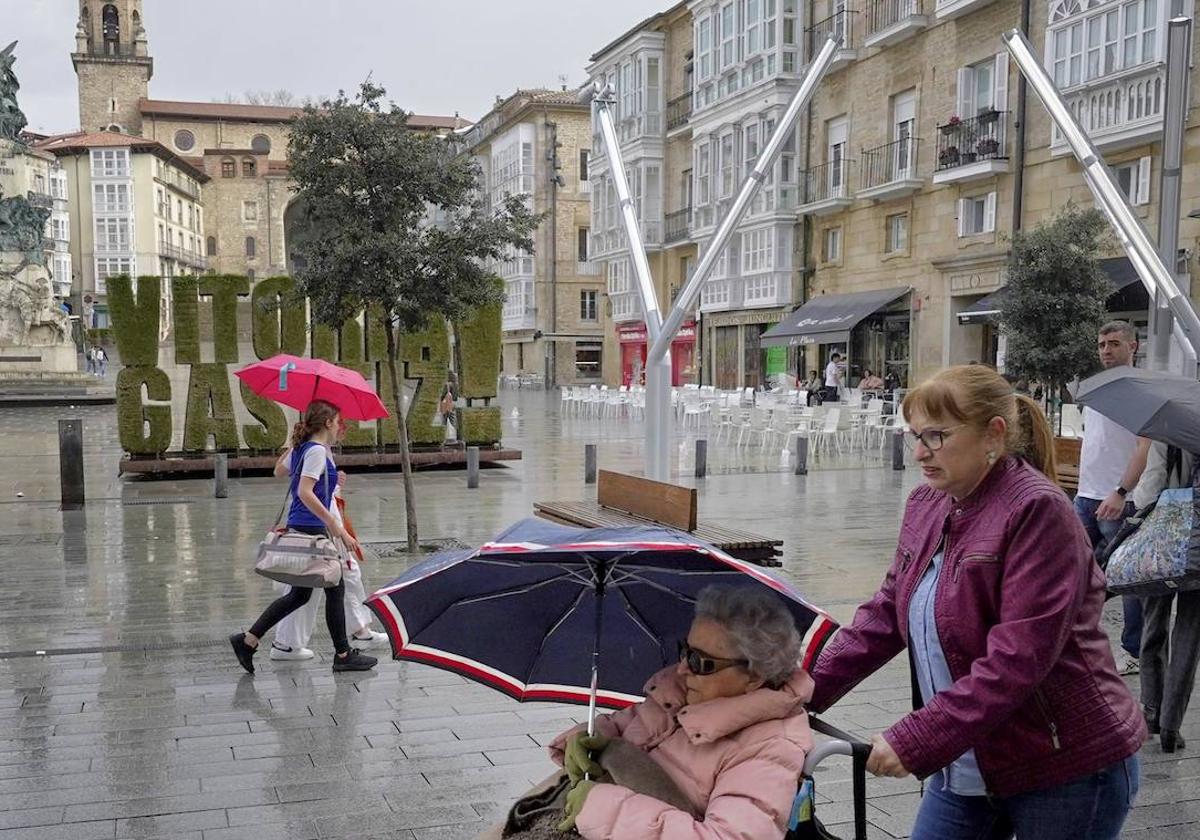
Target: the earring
pixel 991 457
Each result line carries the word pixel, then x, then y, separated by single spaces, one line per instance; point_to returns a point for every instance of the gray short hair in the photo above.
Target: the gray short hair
pixel 760 626
pixel 1123 327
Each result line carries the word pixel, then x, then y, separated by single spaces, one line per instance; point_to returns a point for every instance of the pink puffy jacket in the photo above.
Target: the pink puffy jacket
pixel 738 759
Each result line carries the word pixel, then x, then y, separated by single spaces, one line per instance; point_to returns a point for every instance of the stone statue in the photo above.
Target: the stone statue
pixel 12 120
pixel 31 323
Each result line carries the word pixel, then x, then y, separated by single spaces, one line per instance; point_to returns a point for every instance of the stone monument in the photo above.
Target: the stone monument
pixel 35 339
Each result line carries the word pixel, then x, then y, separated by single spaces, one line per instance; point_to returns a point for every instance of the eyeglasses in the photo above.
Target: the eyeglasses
pixel 701 664
pixel 932 439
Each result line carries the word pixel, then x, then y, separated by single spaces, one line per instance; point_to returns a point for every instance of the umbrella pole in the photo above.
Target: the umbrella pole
pixel 601 570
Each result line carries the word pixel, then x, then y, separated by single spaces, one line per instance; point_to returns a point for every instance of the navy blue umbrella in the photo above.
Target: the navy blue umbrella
pixel 535 612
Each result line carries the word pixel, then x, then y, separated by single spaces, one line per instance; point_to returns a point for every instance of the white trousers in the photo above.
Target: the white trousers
pixel 297 628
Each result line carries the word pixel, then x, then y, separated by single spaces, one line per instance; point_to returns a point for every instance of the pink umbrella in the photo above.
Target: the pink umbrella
pixel 296 382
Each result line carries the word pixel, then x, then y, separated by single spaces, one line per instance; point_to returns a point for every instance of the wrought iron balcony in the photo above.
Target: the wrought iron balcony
pixel 840 25
pixel 679 111
pixel 826 188
pixel 677 225
pixel 890 171
pixel 972 148
pixel 890 21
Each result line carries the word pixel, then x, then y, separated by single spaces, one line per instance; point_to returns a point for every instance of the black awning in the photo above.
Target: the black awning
pixel 986 310
pixel 828 319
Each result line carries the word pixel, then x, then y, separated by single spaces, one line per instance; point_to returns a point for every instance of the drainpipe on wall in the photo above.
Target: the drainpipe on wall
pixel 1019 143
pixel 552 188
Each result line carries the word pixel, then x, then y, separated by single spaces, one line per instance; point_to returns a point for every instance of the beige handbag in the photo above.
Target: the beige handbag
pixel 306 560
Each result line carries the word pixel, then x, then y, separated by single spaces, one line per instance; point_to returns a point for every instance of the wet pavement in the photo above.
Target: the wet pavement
pixel 123 714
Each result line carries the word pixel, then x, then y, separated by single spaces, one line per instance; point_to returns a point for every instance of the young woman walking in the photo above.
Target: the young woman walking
pixel 314 479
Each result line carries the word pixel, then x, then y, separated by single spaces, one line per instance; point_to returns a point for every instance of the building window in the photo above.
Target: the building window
pixel 587 305
pixel 757 253
pixel 977 215
pixel 250 274
pixel 250 211
pixel 251 248
pixel 584 160
pixel 111 198
pixel 726 166
pixel 1133 179
pixel 110 163
pixel 112 234
pixel 582 243
pixel 587 359
pixel 228 168
pixel 261 144
pixel 895 233
pixel 211 246
pixel 983 86
pixel 832 245
pixel 248 168
pixel 1100 44
pixel 107 267
pixel 185 141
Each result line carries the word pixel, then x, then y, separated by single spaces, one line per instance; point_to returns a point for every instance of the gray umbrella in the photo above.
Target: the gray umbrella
pixel 1154 405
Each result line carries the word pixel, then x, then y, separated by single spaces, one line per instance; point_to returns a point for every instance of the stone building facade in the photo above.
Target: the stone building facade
pixel 240 151
pixel 649 69
pixel 538 143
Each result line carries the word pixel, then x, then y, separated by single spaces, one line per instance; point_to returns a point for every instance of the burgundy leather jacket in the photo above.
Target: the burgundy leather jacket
pixel 1036 692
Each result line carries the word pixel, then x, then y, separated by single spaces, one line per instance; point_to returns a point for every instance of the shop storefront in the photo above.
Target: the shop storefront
pixel 733 351
pixel 632 339
pixel 872 329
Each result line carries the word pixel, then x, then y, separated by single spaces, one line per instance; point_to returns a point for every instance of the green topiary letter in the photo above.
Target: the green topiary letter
pixel 185 290
pixel 209 410
pixel 426 357
pixel 271 431
pixel 144 429
pixel 279 321
pixel 478 342
pixel 135 317
pixel 224 291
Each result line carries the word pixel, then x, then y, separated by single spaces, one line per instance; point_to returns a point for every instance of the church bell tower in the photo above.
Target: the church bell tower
pixel 112 61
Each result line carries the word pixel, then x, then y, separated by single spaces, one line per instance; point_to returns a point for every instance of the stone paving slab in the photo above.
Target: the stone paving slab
pixel 140 725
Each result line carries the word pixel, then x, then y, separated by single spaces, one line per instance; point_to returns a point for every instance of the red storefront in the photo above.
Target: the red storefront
pixel 632 338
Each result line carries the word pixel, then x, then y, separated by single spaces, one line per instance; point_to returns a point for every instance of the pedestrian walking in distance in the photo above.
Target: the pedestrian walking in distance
pixel 313 482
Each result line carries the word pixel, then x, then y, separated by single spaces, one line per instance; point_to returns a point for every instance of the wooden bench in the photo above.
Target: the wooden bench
pixel 625 500
pixel 1067 452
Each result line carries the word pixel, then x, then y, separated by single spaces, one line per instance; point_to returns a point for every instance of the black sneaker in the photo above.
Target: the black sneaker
pixel 243 651
pixel 354 661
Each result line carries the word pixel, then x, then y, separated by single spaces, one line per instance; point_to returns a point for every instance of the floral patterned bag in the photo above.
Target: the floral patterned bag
pixel 1157 551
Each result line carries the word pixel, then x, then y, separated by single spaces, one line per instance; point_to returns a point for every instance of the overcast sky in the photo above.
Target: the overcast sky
pixel 433 56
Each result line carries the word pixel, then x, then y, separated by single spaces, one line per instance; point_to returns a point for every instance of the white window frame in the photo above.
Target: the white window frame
pixel 904 132
pixel 704 155
pixel 114 235
pixel 112 267
pixel 895 240
pixel 727 148
pixel 110 163
pixel 977 215
pixel 1136 173
pixel 588 305
pixel 727 18
pixel 971 100
pixel 1107 39
pixel 758 251
pixel 705 52
pixel 837 138
pixel 831 245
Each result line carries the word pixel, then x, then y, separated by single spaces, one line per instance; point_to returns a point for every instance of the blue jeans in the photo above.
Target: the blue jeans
pixel 1090 808
pixel 1100 531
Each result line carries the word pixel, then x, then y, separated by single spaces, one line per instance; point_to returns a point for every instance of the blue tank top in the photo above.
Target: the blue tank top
pixel 298 514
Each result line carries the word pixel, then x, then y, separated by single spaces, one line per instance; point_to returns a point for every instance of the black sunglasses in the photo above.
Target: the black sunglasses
pixel 701 664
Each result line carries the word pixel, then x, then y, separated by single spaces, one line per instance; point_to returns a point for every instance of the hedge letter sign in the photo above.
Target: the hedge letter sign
pixel 279 324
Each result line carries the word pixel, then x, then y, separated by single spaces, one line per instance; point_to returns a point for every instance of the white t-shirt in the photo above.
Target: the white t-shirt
pixel 313 466
pixel 1107 448
pixel 831 375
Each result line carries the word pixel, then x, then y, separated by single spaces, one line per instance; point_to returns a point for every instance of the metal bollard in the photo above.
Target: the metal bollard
pixel 701 458
pixel 472 467
pixel 70 463
pixel 589 463
pixel 898 449
pixel 801 455
pixel 221 476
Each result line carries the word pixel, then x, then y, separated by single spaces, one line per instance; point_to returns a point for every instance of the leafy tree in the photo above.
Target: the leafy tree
pixel 1053 303
pixel 397 227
